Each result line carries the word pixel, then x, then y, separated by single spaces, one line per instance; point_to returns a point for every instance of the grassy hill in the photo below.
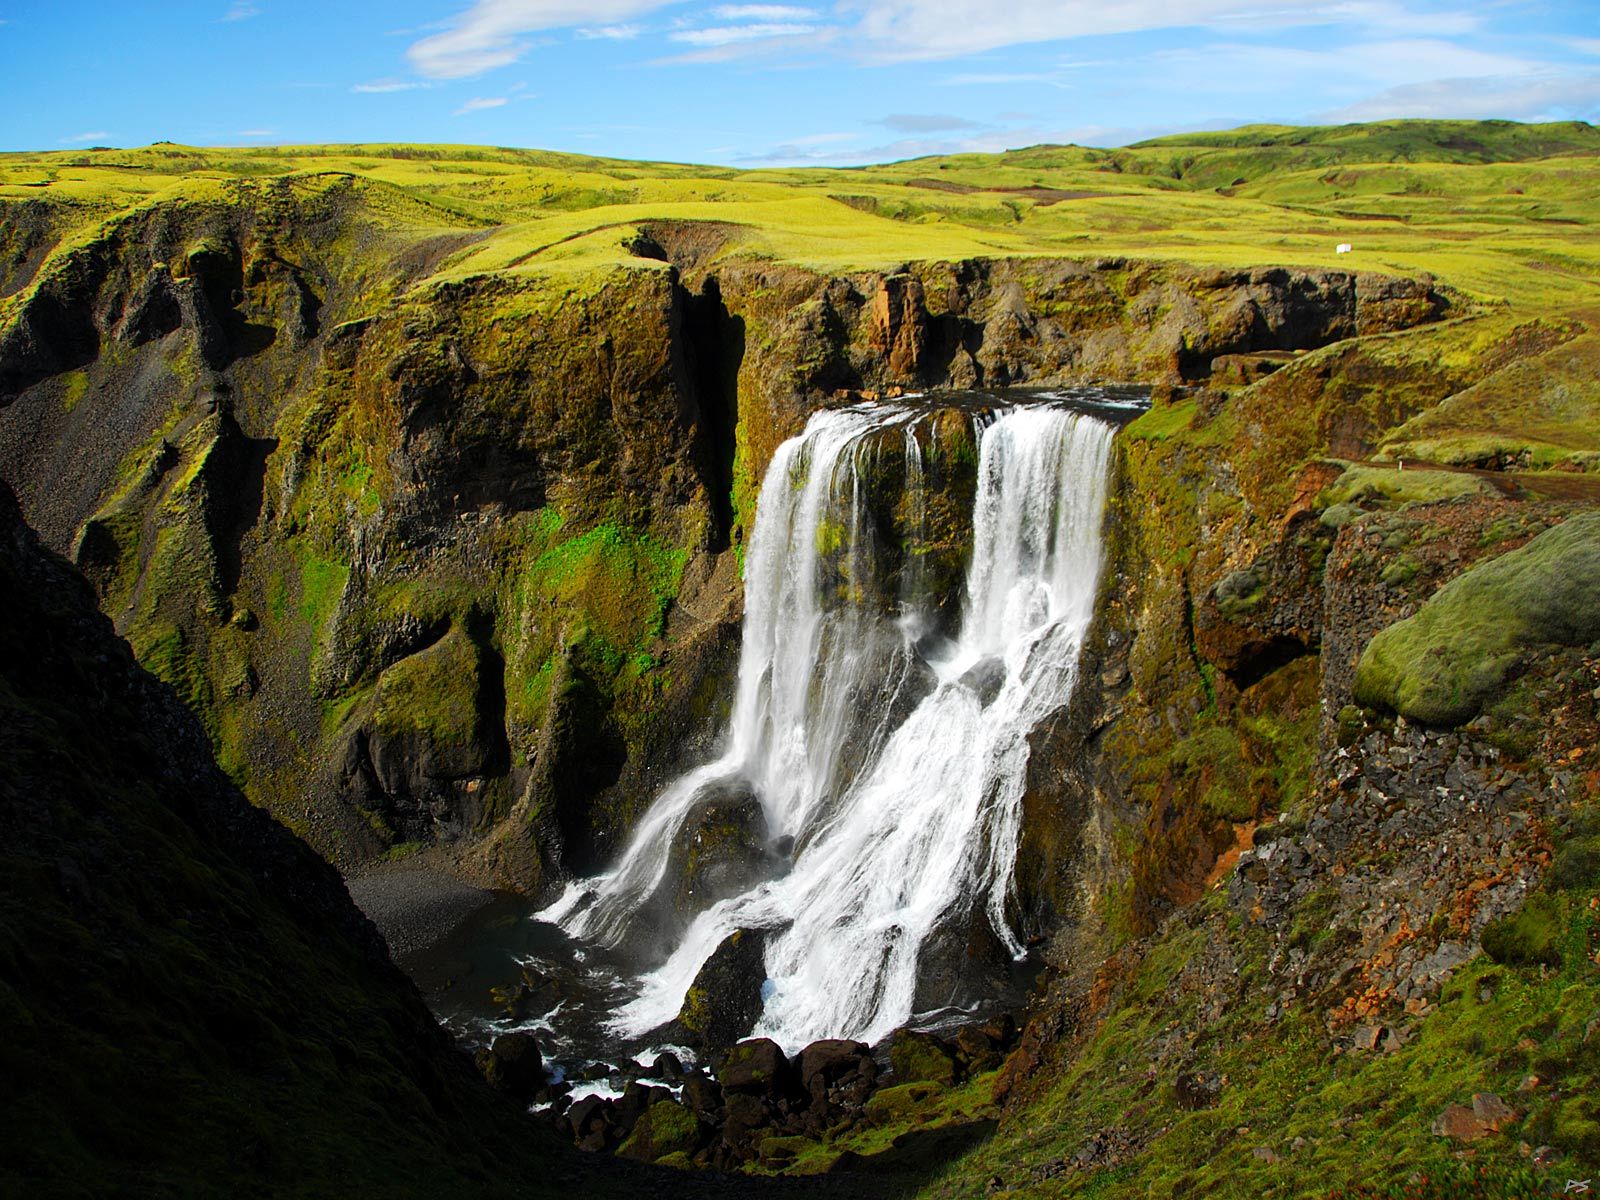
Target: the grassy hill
pixel 1498 210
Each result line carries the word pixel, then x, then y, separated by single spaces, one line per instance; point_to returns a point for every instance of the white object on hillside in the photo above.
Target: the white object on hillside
pixel 1343 248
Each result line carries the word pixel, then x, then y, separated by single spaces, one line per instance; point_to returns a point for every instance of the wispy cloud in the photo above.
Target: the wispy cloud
pixel 763 12
pixel 493 33
pixel 242 10
pixel 1550 96
pixel 97 135
pixel 727 35
pixel 479 103
pixel 382 87
pixel 900 30
pixel 1004 79
pixel 927 122
pixel 613 33
pixel 1589 46
pixel 256 133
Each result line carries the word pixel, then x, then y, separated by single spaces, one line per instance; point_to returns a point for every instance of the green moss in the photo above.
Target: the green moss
pixel 665 1128
pixel 74 387
pixel 1443 664
pixel 904 1102
pixel 1530 935
pixel 1355 1124
pixel 1408 486
pixel 1576 866
pixel 919 1057
pixel 1163 421
pixel 433 693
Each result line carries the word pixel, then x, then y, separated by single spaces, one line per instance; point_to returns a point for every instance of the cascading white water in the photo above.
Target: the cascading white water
pixel 901 823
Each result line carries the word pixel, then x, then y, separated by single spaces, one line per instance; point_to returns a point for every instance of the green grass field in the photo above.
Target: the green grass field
pixel 1500 211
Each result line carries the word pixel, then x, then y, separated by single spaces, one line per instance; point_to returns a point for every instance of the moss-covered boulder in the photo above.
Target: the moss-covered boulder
pixel 666 1128
pixel 899 1104
pixel 724 1003
pixel 918 1057
pixel 757 1067
pixel 1442 665
pixel 427 712
pixel 720 850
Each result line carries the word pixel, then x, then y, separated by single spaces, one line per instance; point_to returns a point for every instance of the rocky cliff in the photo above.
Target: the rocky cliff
pixel 457 563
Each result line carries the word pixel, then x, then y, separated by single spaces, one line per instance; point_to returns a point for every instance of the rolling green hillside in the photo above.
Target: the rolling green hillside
pixel 1499 210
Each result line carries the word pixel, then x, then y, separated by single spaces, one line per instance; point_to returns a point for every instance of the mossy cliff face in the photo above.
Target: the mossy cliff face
pixel 1331 779
pixel 457 562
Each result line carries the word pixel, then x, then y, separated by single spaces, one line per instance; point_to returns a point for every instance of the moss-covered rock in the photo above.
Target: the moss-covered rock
pixel 1442 665
pixel 665 1128
pixel 1530 935
pixel 918 1057
pixel 724 1002
pixel 899 1104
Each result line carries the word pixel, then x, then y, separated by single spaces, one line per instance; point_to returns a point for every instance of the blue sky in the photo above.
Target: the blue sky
pixel 830 81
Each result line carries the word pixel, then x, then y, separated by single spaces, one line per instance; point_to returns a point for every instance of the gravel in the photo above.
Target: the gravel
pixel 414 907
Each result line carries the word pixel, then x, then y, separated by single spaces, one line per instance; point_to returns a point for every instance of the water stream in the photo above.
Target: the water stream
pixel 883 731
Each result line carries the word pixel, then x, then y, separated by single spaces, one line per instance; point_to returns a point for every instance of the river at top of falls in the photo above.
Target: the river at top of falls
pixel 902 817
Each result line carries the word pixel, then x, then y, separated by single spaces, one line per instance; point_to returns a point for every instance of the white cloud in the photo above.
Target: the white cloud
pixel 381 87
pixel 1551 97
pixel 479 103
pixel 1251 69
pixel 256 133
pixel 1589 46
pixel 898 30
pixel 241 11
pixel 727 35
pixel 492 33
pixel 613 33
pixel 1003 79
pixel 763 12
pixel 927 122
pixel 98 135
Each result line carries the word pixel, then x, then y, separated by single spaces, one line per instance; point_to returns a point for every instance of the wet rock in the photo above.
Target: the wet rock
pixel 703 1095
pixel 828 1061
pixel 985 678
pixel 754 1068
pixel 588 1117
pixel 720 850
pixel 724 1002
pixel 513 1065
pixel 637 1098
pixel 667 1068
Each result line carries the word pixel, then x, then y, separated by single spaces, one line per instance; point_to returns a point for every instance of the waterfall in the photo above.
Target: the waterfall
pixel 893 758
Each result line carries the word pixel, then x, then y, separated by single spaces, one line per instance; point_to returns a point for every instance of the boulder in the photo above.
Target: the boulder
pixel 513 1065
pixel 664 1128
pixel 828 1061
pixel 703 1095
pixel 755 1068
pixel 636 1100
pixel 720 850
pixel 916 1056
pixel 1442 665
pixel 724 1002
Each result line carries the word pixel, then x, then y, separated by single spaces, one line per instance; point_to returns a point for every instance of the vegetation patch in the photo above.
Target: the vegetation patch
pixel 1443 664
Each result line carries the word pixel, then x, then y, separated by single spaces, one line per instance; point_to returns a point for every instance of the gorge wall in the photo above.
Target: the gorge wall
pixel 458 563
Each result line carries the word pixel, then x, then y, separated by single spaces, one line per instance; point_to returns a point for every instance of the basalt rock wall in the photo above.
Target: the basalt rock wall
pixel 457 563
